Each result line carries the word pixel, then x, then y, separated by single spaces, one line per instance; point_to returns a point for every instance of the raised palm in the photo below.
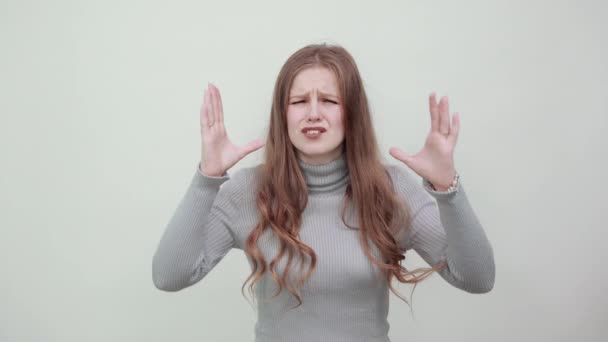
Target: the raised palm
pixel 435 162
pixel 218 153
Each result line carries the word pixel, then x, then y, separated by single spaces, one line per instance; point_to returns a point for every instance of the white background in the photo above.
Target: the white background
pixel 99 139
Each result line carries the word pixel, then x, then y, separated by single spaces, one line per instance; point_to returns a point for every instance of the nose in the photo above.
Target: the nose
pixel 312 118
pixel 313 114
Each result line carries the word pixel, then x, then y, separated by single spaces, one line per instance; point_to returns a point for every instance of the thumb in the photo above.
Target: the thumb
pixel 399 154
pixel 251 146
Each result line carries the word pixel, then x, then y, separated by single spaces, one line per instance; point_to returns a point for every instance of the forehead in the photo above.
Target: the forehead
pixel 315 79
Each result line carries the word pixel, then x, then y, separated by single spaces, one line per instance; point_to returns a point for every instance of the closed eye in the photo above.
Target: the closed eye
pixel 326 100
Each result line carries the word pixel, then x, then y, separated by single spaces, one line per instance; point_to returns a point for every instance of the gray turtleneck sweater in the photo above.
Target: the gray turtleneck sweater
pixel 343 300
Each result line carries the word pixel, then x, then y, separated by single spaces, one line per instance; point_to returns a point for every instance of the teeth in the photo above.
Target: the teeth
pixel 313 132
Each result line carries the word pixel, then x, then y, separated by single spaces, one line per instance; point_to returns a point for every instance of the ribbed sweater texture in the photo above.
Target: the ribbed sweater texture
pixel 345 299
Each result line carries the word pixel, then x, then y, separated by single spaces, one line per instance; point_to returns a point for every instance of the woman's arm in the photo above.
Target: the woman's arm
pixel 446 227
pixel 199 233
pixel 197 236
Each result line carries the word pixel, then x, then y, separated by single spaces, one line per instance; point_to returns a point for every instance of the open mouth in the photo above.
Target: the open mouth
pixel 313 132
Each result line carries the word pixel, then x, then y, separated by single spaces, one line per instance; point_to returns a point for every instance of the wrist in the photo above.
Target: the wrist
pixel 210 173
pixel 447 188
pixel 440 188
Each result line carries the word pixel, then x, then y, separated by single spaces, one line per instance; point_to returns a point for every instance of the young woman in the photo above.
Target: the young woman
pixel 324 223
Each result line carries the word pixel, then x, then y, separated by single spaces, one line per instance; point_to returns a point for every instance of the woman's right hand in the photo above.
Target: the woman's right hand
pixel 218 153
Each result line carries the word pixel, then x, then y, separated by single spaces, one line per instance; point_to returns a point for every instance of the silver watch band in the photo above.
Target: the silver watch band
pixel 452 187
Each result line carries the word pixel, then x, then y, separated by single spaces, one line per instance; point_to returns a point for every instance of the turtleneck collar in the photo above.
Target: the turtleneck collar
pixel 326 177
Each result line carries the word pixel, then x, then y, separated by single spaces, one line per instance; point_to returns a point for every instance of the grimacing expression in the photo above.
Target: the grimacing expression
pixel 315 116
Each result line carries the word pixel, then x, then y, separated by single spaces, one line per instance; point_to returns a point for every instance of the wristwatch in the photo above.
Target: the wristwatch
pixel 452 187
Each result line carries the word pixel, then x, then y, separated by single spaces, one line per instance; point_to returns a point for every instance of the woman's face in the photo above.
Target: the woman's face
pixel 314 116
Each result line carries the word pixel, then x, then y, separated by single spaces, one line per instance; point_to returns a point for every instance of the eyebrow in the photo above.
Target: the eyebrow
pixel 321 93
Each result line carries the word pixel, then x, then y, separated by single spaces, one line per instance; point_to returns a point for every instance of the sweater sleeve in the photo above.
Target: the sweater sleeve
pixel 197 236
pixel 446 228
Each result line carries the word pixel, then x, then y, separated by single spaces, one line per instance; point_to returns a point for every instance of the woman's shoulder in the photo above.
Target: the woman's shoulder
pixel 241 184
pixel 408 184
pixel 245 175
pixel 401 175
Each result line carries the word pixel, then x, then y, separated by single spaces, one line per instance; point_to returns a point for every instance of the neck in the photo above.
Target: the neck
pixel 321 159
pixel 326 177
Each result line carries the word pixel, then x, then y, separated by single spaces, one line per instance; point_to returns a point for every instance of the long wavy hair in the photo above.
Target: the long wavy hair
pixel 282 194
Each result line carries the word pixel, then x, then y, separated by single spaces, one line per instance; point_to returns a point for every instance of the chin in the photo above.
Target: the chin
pixel 312 153
pixel 314 150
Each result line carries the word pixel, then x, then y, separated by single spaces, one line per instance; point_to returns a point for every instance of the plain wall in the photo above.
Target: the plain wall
pixel 99 138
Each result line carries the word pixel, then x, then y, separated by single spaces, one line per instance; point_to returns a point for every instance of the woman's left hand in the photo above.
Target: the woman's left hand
pixel 435 162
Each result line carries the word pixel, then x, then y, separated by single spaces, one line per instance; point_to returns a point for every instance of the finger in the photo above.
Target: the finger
pixel 214 103
pixel 434 112
pixel 203 110
pixel 444 116
pixel 205 119
pixel 209 107
pixel 453 137
pixel 220 113
pixel 251 146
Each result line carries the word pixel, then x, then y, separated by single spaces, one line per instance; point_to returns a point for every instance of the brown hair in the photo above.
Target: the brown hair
pixel 282 194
